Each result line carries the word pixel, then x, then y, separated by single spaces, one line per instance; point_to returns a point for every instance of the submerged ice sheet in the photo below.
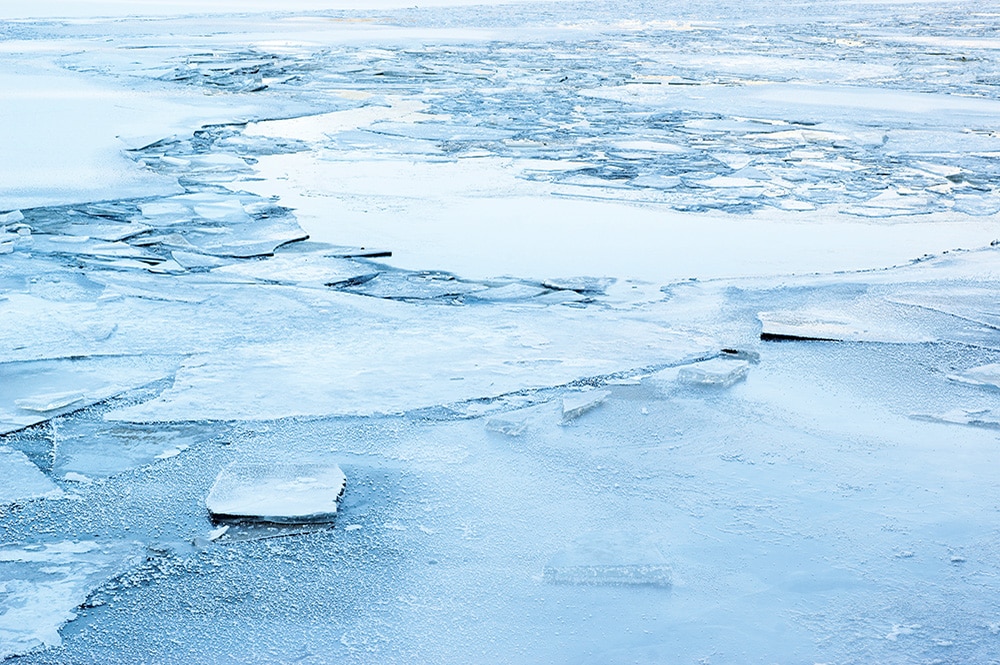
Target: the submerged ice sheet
pixel 613 559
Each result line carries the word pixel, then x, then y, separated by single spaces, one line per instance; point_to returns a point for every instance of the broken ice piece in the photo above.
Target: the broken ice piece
pixel 22 480
pixel 715 372
pixel 976 417
pixel 984 375
pixel 277 492
pixel 578 404
pixel 611 559
pixel 49 402
pixel 507 426
pixel 215 534
pixel 11 217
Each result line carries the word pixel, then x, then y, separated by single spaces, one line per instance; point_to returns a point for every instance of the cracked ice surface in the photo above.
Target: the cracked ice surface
pixel 640 333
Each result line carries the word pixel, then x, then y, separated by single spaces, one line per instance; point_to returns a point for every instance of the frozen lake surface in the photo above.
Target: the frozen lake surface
pixel 531 333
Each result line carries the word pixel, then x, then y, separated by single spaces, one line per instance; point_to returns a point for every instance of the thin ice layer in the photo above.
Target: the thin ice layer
pixel 36 390
pixel 613 559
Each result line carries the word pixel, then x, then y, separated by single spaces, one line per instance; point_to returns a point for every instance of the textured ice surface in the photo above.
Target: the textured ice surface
pixel 507 207
pixel 277 492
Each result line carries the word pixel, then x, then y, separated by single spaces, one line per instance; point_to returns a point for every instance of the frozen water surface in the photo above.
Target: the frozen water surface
pixel 608 334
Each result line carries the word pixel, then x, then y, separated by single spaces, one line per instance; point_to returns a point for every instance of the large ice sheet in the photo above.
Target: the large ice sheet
pixel 393 364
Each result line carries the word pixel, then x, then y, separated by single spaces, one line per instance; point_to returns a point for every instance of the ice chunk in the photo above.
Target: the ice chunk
pixel 22 480
pixel 385 365
pixel 277 492
pixel 720 372
pixel 510 426
pixel 41 585
pixel 984 375
pixel 11 217
pixel 989 418
pixel 298 268
pixel 574 406
pixel 614 559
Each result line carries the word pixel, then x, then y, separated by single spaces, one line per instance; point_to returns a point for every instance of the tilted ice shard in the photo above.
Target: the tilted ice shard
pixel 577 404
pixel 720 372
pixel 989 418
pixel 277 492
pixel 984 375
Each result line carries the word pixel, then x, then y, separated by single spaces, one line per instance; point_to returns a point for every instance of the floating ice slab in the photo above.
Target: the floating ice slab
pixel 719 372
pixel 21 480
pixel 278 492
pixel 50 402
pixel 984 375
pixel 613 559
pixel 574 406
pixel 42 585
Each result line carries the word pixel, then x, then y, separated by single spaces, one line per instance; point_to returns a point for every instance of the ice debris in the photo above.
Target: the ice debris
pixel 575 405
pixel 277 492
pixel 613 559
pixel 719 372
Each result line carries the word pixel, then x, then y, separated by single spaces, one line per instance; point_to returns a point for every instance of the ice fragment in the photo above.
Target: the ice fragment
pixel 984 375
pixel 574 406
pixel 715 372
pixel 279 492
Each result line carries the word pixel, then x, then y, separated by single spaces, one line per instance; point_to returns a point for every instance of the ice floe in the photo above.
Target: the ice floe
pixel 277 492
